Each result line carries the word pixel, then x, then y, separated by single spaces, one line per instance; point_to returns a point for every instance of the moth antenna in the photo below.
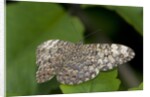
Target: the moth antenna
pixel 92 33
pixel 76 30
pixel 81 41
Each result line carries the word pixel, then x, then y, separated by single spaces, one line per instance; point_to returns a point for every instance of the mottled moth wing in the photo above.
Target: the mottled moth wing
pixel 86 61
pixel 80 66
pixel 77 63
pixel 49 58
pixel 112 55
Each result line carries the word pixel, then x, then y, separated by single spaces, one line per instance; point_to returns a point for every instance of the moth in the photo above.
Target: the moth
pixel 77 63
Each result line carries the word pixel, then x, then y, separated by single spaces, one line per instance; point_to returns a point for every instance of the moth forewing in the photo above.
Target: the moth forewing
pixel 78 63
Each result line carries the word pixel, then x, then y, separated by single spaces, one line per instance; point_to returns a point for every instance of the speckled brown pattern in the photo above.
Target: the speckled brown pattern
pixel 77 63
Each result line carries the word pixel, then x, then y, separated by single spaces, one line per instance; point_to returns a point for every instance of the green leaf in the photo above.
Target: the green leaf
pixel 28 25
pixel 105 81
pixel 100 19
pixel 140 87
pixel 133 15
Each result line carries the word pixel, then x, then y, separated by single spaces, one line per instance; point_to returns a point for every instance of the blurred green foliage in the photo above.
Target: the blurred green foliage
pixel 140 87
pixel 132 15
pixel 30 23
pixel 105 81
